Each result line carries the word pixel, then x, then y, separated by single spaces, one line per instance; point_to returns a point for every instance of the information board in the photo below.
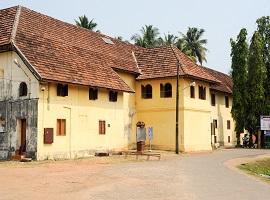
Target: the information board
pixel 265 123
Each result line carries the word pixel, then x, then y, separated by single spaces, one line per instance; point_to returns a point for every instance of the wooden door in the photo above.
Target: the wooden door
pixel 23 136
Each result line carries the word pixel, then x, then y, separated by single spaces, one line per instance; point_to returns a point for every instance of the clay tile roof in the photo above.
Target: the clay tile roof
pixel 156 62
pixel 63 52
pixel 162 62
pixel 7 17
pixel 226 83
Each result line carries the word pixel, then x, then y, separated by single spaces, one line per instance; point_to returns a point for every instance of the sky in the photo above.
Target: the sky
pixel 221 19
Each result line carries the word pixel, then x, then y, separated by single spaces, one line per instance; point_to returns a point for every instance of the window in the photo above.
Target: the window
pixel 213 99
pixel 229 139
pixel 93 94
pixel 202 93
pixel 113 96
pixel 22 89
pixel 61 127
pixel 62 90
pixel 192 92
pixel 215 123
pixel 215 139
pixel 146 91
pixel 228 124
pixel 165 90
pixel 102 127
pixel 227 101
pixel 107 40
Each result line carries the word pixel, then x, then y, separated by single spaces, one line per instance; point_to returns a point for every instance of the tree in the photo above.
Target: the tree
pixel 255 84
pixel 193 44
pixel 148 37
pixel 85 23
pixel 167 40
pixel 239 55
pixel 181 45
pixel 263 27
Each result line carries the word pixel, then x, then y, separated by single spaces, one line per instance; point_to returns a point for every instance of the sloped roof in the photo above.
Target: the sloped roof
pixel 63 52
pixel 226 83
pixel 162 62
pixel 59 51
pixel 7 17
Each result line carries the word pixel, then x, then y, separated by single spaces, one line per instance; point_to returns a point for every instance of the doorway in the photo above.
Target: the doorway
pixel 21 136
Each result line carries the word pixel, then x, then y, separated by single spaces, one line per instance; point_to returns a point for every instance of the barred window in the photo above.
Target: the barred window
pixel 93 94
pixel 146 91
pixel 62 90
pixel 165 90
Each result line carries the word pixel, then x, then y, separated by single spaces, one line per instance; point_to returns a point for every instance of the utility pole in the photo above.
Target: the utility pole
pixel 177 111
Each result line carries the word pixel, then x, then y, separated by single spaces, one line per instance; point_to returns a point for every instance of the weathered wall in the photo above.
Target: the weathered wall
pixel 130 115
pixel 13 107
pixel 12 111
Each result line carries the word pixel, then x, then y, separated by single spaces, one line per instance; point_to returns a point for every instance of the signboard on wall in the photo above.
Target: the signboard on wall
pixel 265 123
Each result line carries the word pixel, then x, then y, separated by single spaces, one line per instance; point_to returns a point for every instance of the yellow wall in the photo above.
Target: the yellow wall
pixel 222 114
pixel 159 113
pixel 82 115
pixel 82 122
pixel 129 107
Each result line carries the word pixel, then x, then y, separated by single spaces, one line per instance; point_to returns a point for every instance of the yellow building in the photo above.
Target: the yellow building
pixel 67 92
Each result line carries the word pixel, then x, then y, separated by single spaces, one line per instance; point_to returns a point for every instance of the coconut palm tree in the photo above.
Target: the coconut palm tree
pixel 192 44
pixel 167 40
pixel 85 23
pixel 148 37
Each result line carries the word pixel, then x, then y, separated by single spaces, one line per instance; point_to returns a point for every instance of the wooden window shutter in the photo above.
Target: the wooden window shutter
pixel 102 128
pixel 61 127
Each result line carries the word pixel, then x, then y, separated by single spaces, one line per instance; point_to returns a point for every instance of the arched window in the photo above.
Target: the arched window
pixel 146 91
pixel 165 90
pixel 22 89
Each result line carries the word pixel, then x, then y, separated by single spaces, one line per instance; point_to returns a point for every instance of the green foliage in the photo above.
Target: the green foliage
pixel 263 27
pixel 255 83
pixel 239 55
pixel 85 23
pixel 148 37
pixel 192 44
pixel 167 40
pixel 259 167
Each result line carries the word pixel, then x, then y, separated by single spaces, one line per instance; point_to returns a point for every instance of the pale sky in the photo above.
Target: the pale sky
pixel 221 19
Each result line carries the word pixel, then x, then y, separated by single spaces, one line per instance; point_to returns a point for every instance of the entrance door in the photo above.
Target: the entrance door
pixel 23 136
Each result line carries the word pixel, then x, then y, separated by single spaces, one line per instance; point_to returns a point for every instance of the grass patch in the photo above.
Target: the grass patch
pixel 258 167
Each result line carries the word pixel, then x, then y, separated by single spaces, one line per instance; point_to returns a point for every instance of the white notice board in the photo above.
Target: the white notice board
pixel 265 123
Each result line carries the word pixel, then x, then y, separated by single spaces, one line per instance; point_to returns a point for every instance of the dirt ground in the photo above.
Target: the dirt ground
pixel 66 179
pixel 174 177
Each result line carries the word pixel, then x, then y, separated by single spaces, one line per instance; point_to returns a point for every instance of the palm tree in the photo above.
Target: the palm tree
pixel 192 44
pixel 85 23
pixel 148 37
pixel 167 40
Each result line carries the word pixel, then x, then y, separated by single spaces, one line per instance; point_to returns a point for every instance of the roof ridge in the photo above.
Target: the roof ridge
pixel 207 68
pixel 15 24
pixel 181 66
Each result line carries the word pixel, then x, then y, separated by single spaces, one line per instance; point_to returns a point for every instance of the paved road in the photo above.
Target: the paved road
pixel 192 177
pixel 202 177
